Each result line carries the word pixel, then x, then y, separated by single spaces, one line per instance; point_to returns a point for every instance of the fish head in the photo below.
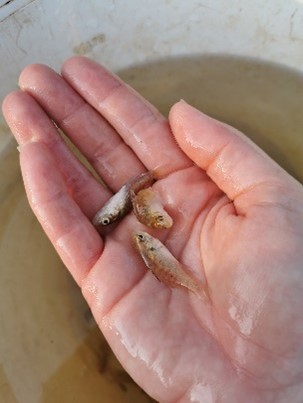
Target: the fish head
pixel 161 221
pixel 144 242
pixel 104 217
pixel 146 245
pixel 140 238
pixel 106 220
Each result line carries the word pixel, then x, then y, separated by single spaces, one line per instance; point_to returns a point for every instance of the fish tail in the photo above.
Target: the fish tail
pixel 201 291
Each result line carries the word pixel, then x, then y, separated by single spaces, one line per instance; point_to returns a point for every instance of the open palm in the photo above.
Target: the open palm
pixel 238 224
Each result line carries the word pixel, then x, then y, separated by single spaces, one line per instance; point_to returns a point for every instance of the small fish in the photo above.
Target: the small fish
pixel 120 203
pixel 164 265
pixel 149 210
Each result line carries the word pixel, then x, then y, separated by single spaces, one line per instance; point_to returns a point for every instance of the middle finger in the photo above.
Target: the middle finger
pixel 138 122
pixel 98 141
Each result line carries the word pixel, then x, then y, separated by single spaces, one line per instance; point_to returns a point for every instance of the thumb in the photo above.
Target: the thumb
pixel 231 160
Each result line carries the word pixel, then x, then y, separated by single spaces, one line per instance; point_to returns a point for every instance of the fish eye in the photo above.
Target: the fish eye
pixel 105 221
pixel 160 218
pixel 140 237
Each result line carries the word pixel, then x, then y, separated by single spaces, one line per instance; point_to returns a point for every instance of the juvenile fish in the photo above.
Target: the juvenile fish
pixel 120 203
pixel 164 265
pixel 149 210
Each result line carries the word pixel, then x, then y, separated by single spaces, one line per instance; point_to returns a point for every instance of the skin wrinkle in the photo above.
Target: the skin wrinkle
pixel 277 204
pixel 210 221
pixel 184 244
pixel 221 348
pixel 273 225
pixel 228 176
pixel 152 365
pixel 249 374
pixel 75 182
pixel 160 175
pixel 176 142
pixel 100 102
pixel 52 85
pixel 176 363
pixel 94 258
pixel 226 203
pixel 107 133
pixel 178 171
pixel 55 143
pixel 146 118
pixel 234 365
pixel 166 293
pixel 152 112
pixel 194 223
pixel 99 161
pixel 268 199
pixel 132 130
pixel 121 298
pixel 33 117
pixel 102 150
pixel 216 339
pixel 254 186
pixel 90 261
pixel 181 397
pixel 55 196
pixel 211 156
pixel 212 162
pixel 97 122
pixel 63 122
pixel 242 336
pixel 85 194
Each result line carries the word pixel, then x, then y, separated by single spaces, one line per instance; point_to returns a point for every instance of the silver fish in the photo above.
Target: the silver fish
pixel 120 203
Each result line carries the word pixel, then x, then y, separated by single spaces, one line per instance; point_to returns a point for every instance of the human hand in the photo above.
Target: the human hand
pixel 238 223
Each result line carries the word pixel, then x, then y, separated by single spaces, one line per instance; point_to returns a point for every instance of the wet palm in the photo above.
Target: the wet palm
pixel 239 227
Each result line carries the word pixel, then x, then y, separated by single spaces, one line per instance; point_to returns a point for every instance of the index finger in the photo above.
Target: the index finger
pixel 140 124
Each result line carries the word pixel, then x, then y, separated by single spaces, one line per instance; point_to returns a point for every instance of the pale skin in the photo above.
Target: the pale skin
pixel 238 224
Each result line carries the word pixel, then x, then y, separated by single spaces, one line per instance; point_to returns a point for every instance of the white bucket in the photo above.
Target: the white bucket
pixel 240 61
